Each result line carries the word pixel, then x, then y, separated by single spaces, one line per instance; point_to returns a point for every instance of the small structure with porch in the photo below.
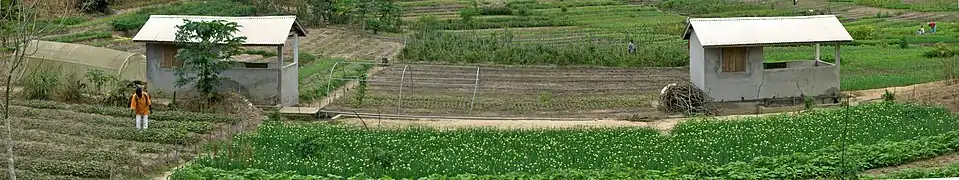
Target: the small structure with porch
pixel 264 81
pixel 726 57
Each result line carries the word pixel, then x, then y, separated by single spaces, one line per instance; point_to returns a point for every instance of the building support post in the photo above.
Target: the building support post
pixel 279 75
pixel 818 54
pixel 838 62
pixel 296 49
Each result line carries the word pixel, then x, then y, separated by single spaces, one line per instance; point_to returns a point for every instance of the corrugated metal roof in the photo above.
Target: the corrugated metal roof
pixel 259 30
pixel 767 30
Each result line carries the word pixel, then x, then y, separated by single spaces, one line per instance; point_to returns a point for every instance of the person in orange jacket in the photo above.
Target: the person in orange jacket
pixel 140 105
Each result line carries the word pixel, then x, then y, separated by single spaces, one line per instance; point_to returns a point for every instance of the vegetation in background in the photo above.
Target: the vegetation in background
pixel 360 92
pixel 82 36
pixel 93 6
pixel 204 45
pixel 869 67
pixel 941 50
pixel 41 84
pixel 99 79
pixel 71 90
pixel 134 21
pixel 314 78
pixel 930 5
pixel 708 6
pixel 372 15
pixel 495 151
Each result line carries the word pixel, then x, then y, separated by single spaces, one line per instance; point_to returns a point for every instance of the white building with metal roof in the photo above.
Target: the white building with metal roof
pixel 271 82
pixel 726 57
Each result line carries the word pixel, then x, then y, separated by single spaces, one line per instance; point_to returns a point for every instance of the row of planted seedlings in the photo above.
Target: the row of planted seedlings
pixel 811 138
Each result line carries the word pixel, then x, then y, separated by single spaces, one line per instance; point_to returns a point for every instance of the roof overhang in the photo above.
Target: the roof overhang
pixel 259 30
pixel 776 44
pixel 766 31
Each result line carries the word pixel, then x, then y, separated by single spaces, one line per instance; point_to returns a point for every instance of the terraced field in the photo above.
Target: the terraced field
pixel 342 43
pixel 513 91
pixel 62 141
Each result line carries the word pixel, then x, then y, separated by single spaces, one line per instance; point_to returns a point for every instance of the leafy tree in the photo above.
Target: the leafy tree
pixel 19 26
pixel 204 45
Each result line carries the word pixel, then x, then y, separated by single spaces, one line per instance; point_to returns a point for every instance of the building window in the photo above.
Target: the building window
pixel 168 56
pixel 256 65
pixel 735 59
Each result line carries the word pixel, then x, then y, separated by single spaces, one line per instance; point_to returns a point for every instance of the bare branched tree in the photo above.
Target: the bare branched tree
pixel 20 26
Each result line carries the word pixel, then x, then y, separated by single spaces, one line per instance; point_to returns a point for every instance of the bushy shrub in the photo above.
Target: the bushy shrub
pixel 307 58
pixel 71 90
pixel 941 50
pixel 41 84
pixel 889 96
pixel 903 44
pixel 863 32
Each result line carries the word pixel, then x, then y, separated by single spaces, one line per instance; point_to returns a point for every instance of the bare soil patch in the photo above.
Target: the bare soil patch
pixel 938 93
pixel 345 43
pixel 569 92
pixel 936 162
pixel 663 125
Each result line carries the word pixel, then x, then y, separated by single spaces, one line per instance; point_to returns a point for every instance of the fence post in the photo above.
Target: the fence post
pixel 475 86
pixel 399 99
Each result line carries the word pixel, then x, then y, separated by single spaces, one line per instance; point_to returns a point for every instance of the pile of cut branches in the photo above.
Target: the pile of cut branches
pixel 683 98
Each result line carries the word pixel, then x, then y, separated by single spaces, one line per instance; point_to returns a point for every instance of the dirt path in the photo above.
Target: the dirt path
pixel 663 125
pixel 936 162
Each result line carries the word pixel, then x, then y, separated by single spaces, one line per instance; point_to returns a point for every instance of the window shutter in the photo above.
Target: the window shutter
pixel 734 59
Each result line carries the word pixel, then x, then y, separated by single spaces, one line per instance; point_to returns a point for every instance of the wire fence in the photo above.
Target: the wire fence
pixel 501 91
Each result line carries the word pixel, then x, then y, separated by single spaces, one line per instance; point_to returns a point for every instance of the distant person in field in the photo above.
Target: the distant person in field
pixel 795 2
pixel 140 105
pixel 631 48
pixel 932 27
pixel 922 30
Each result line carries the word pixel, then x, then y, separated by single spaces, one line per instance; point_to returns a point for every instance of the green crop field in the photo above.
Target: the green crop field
pixel 421 152
pixel 515 58
pixel 595 34
pixel 64 141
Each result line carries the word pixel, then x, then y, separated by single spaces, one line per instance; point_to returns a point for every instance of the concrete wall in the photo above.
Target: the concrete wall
pixel 257 84
pixel 697 70
pixel 291 94
pixel 775 83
